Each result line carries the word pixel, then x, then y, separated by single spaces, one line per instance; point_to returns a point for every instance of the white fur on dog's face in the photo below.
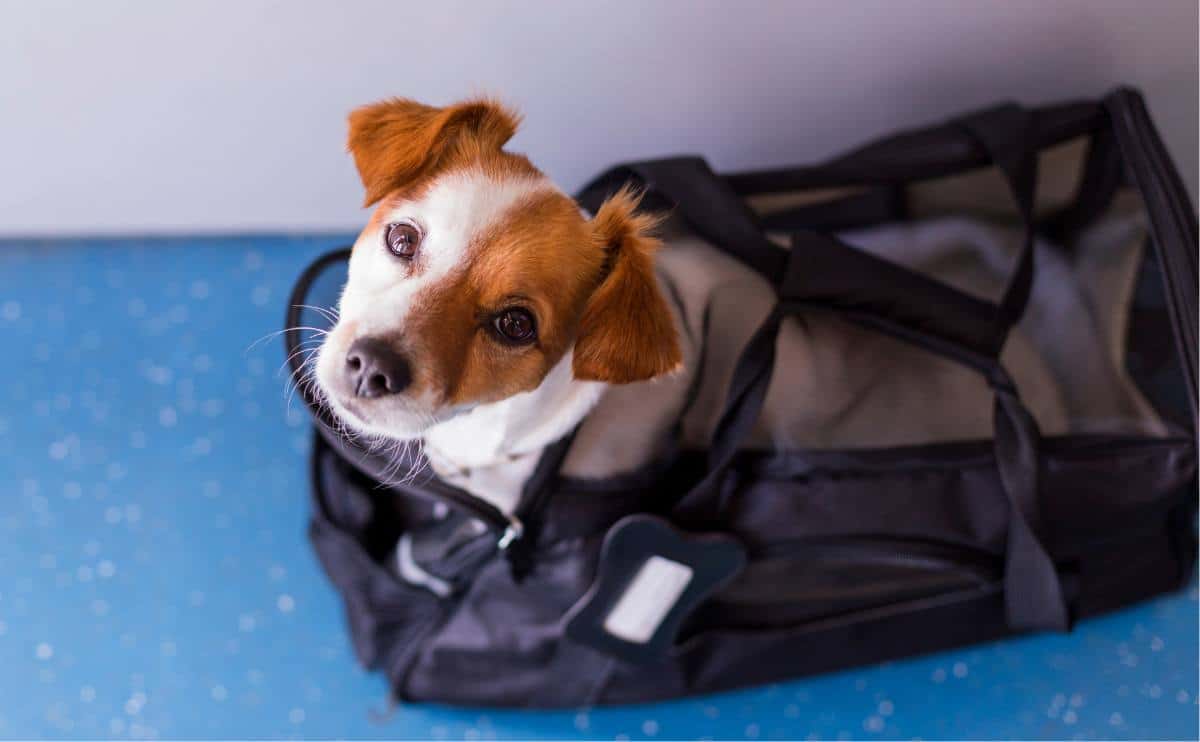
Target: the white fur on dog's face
pixel 458 210
pixel 497 241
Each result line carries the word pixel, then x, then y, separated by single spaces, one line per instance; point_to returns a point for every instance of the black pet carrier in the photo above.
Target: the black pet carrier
pixel 731 556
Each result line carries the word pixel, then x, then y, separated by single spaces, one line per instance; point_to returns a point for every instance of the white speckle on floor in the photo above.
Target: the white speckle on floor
pixel 153 559
pixel 135 704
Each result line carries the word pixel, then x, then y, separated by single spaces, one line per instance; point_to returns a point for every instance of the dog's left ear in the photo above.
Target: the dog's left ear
pixel 397 141
pixel 627 332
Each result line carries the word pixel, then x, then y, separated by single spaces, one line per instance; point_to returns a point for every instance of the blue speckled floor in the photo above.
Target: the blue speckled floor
pixel 155 579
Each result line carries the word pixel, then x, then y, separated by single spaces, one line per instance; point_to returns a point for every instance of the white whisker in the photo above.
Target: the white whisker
pixel 277 333
pixel 330 313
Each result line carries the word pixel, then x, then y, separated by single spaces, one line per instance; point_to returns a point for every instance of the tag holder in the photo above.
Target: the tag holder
pixel 645 560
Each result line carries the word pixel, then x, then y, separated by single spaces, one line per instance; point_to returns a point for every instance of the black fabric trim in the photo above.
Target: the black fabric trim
pixel 1172 221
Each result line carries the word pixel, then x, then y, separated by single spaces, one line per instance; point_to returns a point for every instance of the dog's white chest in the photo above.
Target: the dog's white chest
pixel 491 450
pixel 499 483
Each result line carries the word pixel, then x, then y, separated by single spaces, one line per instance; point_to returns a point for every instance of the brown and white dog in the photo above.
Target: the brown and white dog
pixel 484 314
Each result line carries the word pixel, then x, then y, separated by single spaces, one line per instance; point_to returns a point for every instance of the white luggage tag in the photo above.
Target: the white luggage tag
pixel 651 576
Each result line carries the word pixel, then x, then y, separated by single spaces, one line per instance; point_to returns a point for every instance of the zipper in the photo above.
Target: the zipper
pixel 924 557
pixel 1172 221
pixel 926 552
pixel 513 529
pixel 508 528
pixel 523 524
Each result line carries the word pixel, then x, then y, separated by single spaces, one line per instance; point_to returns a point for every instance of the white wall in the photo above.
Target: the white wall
pixel 219 116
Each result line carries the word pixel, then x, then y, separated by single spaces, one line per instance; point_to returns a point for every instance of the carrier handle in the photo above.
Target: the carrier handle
pixel 1006 133
pixel 915 154
pixel 839 273
pixel 1008 136
pixel 1033 594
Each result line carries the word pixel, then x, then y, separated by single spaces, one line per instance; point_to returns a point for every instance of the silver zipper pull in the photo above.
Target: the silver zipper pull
pixel 514 531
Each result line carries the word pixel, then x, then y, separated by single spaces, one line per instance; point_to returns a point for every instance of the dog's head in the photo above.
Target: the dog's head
pixel 476 275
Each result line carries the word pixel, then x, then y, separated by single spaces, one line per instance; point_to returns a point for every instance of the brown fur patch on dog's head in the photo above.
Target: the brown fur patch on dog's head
pixel 626 333
pixel 397 142
pixel 539 257
pixel 494 237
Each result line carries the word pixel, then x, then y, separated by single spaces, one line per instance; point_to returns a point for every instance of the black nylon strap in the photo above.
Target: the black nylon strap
pixel 1007 134
pixel 707 202
pixel 828 274
pixel 747 391
pixel 1102 178
pixel 913 155
pixel 835 273
pixel 1033 595
pixel 869 207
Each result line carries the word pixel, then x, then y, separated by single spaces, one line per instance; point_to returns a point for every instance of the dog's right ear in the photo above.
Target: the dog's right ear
pixel 395 142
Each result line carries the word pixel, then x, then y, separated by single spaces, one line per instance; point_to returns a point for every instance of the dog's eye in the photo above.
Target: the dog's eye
pixel 515 325
pixel 402 239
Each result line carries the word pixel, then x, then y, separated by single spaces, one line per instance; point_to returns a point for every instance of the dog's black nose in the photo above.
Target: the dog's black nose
pixel 375 369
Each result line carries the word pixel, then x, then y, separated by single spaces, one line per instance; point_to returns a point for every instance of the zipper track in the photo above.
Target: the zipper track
pixel 506 527
pixel 1171 219
pixel 887 543
pixel 928 556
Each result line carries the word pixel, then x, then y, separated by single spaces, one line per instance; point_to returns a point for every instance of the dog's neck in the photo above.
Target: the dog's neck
pixel 491 449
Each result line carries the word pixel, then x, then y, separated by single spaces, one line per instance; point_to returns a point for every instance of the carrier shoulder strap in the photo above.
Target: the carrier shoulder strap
pixel 870 288
pixel 704 200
